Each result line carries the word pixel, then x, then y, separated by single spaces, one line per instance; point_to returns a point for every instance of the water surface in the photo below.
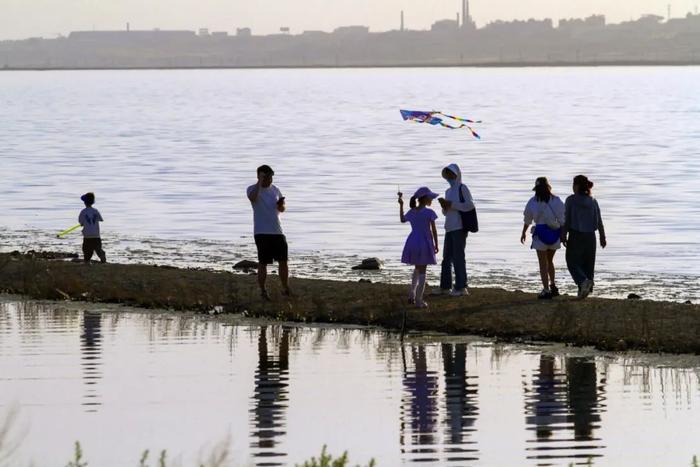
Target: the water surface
pixel 124 382
pixel 170 153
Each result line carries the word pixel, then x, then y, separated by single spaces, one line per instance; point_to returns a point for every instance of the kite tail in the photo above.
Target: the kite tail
pixel 459 119
pixel 474 133
pixel 471 130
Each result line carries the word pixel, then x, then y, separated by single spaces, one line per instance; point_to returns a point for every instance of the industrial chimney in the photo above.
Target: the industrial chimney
pixel 466 17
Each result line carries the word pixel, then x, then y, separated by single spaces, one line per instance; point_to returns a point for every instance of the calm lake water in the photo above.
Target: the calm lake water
pixel 124 382
pixel 170 153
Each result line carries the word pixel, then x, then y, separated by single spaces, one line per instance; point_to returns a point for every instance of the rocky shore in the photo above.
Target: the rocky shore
pixel 512 315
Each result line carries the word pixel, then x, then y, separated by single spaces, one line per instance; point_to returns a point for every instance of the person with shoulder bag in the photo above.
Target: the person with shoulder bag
pixel 547 212
pixel 460 219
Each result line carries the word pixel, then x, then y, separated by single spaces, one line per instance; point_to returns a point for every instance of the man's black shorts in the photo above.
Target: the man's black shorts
pixel 271 248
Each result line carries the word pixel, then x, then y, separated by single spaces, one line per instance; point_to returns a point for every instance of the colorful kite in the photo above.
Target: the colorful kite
pixel 438 118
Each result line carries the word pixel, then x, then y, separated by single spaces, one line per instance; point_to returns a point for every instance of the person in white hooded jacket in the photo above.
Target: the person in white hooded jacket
pixel 457 198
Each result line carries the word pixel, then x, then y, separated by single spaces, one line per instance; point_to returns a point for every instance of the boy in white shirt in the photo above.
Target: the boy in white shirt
pixel 90 219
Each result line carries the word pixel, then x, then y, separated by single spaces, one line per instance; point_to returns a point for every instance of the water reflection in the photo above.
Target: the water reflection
pixel 91 356
pixel 460 404
pixel 402 404
pixel 563 409
pixel 419 408
pixel 270 398
pixel 584 401
pixel 436 424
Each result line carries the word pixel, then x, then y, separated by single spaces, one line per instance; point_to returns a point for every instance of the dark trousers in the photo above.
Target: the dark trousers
pixel 580 255
pixel 93 245
pixel 453 256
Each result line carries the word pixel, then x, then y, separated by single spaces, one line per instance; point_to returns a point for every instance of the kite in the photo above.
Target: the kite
pixel 438 118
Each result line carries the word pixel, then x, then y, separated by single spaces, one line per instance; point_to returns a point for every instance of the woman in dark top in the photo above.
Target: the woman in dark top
pixel 582 218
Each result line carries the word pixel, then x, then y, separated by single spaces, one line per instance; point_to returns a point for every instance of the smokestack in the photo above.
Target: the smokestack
pixel 457 19
pixel 401 20
pixel 127 27
pixel 466 17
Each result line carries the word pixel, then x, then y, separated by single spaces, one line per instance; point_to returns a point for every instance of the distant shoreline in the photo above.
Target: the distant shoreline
pixel 499 64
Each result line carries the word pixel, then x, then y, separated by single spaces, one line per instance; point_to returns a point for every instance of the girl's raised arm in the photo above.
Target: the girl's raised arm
pixel 402 218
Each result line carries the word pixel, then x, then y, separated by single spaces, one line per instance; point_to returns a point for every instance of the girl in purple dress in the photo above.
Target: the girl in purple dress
pixel 421 244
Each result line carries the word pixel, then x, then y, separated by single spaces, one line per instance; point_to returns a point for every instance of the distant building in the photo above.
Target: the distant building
pixel 314 33
pixel 445 25
pixel 527 28
pixel 219 34
pixel 577 25
pixel 284 30
pixel 351 30
pixel 203 31
pixel 689 25
pixel 130 36
pixel 244 32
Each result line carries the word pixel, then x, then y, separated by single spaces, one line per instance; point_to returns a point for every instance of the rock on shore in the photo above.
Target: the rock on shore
pixel 604 323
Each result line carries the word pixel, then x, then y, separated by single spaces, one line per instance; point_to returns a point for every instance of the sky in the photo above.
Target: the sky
pixel 21 19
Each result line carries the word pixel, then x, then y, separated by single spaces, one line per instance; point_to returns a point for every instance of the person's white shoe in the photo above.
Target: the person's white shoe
pixel 459 293
pixel 586 287
pixel 421 304
pixel 437 292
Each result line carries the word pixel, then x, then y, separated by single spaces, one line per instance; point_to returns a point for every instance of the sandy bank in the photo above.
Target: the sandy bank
pixel 604 323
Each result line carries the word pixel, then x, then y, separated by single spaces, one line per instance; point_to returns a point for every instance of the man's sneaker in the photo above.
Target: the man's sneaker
pixel 459 292
pixel 554 290
pixel 546 294
pixel 438 292
pixel 586 287
pixel 421 304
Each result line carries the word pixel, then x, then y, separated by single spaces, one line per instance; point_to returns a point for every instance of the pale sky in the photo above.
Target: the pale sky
pixel 30 18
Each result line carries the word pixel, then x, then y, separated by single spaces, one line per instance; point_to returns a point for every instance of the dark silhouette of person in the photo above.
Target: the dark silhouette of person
pixel 582 396
pixel 419 405
pixel 270 399
pixel 460 403
pixel 546 405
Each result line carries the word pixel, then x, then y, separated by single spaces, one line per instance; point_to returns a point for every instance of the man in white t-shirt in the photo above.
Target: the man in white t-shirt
pixel 268 203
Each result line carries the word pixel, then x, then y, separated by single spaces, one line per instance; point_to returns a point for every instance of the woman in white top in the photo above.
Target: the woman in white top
pixel 547 212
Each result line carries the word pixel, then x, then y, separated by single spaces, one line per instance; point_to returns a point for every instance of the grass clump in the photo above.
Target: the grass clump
pixel 326 460
pixel 77 460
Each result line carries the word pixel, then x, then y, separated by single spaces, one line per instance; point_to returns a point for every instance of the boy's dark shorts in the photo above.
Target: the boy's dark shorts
pixel 271 248
pixel 91 246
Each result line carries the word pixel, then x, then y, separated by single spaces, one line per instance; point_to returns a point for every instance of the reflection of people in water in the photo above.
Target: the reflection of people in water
pixel 582 396
pixel 460 396
pixel 270 395
pixel 421 389
pixel 547 404
pixel 90 349
pixel 561 403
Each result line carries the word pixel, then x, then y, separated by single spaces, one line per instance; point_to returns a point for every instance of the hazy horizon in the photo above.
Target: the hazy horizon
pixel 52 17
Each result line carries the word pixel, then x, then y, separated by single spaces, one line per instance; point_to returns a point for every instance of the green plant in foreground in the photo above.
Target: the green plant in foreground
pixel 326 460
pixel 695 462
pixel 77 457
pixel 161 459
